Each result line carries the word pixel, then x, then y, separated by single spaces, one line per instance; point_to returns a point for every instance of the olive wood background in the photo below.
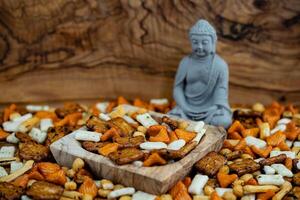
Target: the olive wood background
pixel 58 50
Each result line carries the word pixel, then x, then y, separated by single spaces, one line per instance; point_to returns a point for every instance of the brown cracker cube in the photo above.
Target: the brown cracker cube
pixel 125 156
pixel 211 163
pixel 122 126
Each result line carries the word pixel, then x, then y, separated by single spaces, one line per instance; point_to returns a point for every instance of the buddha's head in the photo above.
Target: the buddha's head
pixel 203 38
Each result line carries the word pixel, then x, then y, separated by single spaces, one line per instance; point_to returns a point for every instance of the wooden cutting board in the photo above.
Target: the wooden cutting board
pixel 155 180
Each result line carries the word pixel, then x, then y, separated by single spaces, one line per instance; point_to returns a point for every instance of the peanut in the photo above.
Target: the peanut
pixel 238 190
pixel 138 133
pixel 87 197
pixel 70 185
pixel 224 169
pixel 103 193
pixel 77 164
pixel 229 196
pixel 71 173
pixel 208 190
pixel 118 186
pixel 166 197
pixel 258 107
pixel 246 177
pixel 245 156
pixel 183 125
pixel 225 151
pixel 107 184
pixel 142 129
pixel 126 198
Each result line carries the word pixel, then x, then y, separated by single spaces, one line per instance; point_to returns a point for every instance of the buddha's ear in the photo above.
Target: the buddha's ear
pixel 214 44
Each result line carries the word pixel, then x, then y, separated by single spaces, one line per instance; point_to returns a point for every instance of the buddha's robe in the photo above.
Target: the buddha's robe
pixel 209 102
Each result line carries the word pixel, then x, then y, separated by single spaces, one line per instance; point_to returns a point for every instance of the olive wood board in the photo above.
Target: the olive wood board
pixel 154 180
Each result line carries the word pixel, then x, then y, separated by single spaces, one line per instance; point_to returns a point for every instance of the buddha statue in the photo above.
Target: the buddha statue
pixel 201 82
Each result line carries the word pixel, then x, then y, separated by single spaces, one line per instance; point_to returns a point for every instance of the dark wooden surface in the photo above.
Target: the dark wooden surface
pixel 73 49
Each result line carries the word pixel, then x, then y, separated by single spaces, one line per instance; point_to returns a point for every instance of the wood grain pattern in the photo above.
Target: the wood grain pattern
pixel 155 180
pixel 88 49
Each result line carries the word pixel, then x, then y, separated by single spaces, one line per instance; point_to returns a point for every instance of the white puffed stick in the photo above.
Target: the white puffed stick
pixel 27 166
pixel 282 170
pixel 296 144
pixel 23 118
pixel 102 106
pixel 250 140
pixel 14 166
pixel 285 188
pixel 38 135
pixel 162 101
pixel 25 197
pixel 153 145
pixel 284 121
pixel 250 189
pixel 7 151
pixel 12 138
pixel 199 135
pixel 279 127
pixel 176 144
pixel 269 170
pixel 197 184
pixel 35 108
pixel 13 126
pixel 83 135
pixel 139 195
pixel 196 126
pixel 3 172
pixel 129 119
pixel 289 154
pixel 146 120
pixel 264 179
pixel 45 124
pixel 121 192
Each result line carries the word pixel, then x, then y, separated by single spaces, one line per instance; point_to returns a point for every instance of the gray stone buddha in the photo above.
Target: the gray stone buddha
pixel 201 82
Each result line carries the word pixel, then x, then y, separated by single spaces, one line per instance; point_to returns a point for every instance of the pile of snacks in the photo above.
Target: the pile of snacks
pixel 139 138
pixel 259 159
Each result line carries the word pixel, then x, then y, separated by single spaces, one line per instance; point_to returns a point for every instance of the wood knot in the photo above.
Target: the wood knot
pixel 261 4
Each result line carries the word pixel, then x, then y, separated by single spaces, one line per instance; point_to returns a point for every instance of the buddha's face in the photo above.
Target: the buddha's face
pixel 202 45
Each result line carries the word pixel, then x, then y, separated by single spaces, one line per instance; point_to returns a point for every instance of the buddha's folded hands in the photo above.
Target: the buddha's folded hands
pixel 209 109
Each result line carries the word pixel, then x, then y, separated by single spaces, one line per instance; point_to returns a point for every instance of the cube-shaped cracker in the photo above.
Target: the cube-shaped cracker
pixel 211 163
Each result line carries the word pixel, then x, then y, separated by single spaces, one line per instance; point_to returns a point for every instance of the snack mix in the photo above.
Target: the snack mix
pixel 258 160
